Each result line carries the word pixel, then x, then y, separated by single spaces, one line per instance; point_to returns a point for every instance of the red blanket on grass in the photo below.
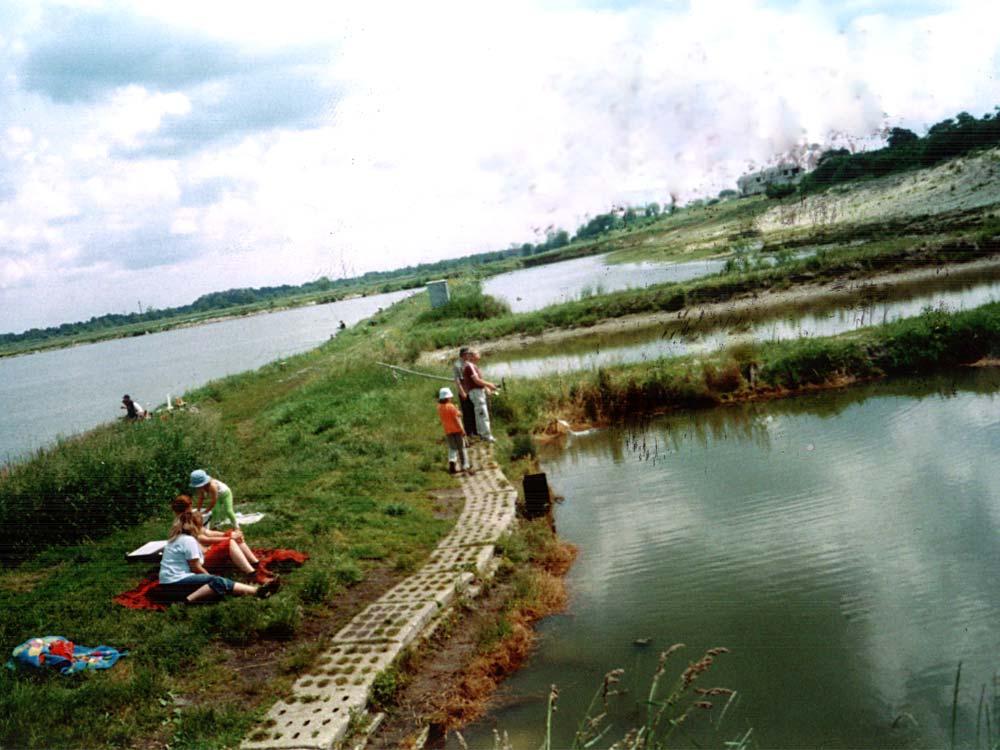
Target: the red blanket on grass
pixel 144 596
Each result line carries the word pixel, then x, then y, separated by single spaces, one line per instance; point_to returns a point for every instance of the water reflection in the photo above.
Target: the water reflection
pixel 844 546
pixel 590 352
pixel 534 288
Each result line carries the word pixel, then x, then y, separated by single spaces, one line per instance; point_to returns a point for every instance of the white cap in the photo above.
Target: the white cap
pixel 445 393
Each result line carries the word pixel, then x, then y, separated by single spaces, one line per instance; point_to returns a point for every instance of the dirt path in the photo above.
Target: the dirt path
pixel 733 310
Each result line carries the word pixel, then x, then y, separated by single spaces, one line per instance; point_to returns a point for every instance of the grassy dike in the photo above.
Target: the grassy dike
pixel 875 256
pixel 346 460
pixel 934 341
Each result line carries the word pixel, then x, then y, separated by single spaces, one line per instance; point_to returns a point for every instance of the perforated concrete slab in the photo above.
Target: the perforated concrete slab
pixel 440 587
pixel 387 621
pixel 355 664
pixel 472 559
pixel 485 532
pixel 308 719
pixel 318 714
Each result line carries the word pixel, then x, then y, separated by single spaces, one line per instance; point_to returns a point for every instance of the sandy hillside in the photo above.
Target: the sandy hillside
pixel 961 184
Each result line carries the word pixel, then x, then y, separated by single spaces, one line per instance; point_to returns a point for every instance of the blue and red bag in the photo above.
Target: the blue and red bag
pixel 55 652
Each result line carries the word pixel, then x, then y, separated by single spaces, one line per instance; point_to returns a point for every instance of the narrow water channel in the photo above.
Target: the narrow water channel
pixel 591 352
pixel 534 288
pixel 844 546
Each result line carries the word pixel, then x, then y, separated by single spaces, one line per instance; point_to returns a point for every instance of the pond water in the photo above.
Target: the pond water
pixel 534 288
pixel 843 546
pixel 591 352
pixel 65 391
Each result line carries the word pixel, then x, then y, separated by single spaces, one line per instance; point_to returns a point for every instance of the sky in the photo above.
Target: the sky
pixel 152 152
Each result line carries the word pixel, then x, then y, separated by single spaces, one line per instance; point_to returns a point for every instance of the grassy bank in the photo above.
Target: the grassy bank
pixel 348 464
pixel 870 258
pixel 931 342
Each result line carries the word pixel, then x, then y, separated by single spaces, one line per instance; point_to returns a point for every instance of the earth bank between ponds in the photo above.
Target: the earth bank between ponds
pixel 720 312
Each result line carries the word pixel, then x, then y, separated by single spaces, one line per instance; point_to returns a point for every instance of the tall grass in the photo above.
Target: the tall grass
pixel 115 476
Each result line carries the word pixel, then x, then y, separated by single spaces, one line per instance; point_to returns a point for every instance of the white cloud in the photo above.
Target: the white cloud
pixel 134 112
pixel 419 132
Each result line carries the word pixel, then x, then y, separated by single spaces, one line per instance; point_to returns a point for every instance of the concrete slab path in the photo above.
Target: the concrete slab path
pixel 318 713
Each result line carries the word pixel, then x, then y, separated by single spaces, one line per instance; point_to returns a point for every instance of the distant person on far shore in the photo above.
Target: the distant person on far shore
pixel 468 410
pixel 133 411
pixel 477 388
pixel 454 433
pixel 217 492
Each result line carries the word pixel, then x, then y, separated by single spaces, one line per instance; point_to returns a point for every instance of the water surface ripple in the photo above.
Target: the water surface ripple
pixel 845 547
pixel 65 391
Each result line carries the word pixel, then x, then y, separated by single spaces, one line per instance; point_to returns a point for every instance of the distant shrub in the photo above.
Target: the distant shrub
pixel 775 190
pixel 469 303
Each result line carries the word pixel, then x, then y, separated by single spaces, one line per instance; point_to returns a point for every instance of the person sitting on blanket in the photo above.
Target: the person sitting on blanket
pixel 183 576
pixel 224 550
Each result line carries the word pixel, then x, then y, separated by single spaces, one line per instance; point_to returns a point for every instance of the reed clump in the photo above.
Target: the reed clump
pixel 664 712
pixel 468 303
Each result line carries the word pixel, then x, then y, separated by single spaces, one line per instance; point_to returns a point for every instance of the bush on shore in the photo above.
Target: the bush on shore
pixel 470 304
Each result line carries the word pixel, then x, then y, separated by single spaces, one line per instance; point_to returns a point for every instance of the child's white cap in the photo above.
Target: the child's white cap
pixel 445 393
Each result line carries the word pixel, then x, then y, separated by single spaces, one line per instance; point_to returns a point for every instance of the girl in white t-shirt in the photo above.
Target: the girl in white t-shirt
pixel 182 573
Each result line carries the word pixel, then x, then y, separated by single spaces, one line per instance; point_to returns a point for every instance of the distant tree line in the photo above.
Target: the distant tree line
pixel 619 218
pixel 380 281
pixel 905 150
pixel 206 303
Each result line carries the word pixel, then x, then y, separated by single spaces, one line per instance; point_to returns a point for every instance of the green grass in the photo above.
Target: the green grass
pixel 933 341
pixel 340 455
pixel 876 256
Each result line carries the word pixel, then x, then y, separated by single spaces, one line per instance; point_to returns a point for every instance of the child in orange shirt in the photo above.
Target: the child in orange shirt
pixel 454 433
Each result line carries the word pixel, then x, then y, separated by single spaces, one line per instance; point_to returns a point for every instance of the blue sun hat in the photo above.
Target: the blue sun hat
pixel 199 478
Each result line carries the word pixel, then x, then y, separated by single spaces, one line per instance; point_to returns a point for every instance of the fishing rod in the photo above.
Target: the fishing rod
pixel 414 372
